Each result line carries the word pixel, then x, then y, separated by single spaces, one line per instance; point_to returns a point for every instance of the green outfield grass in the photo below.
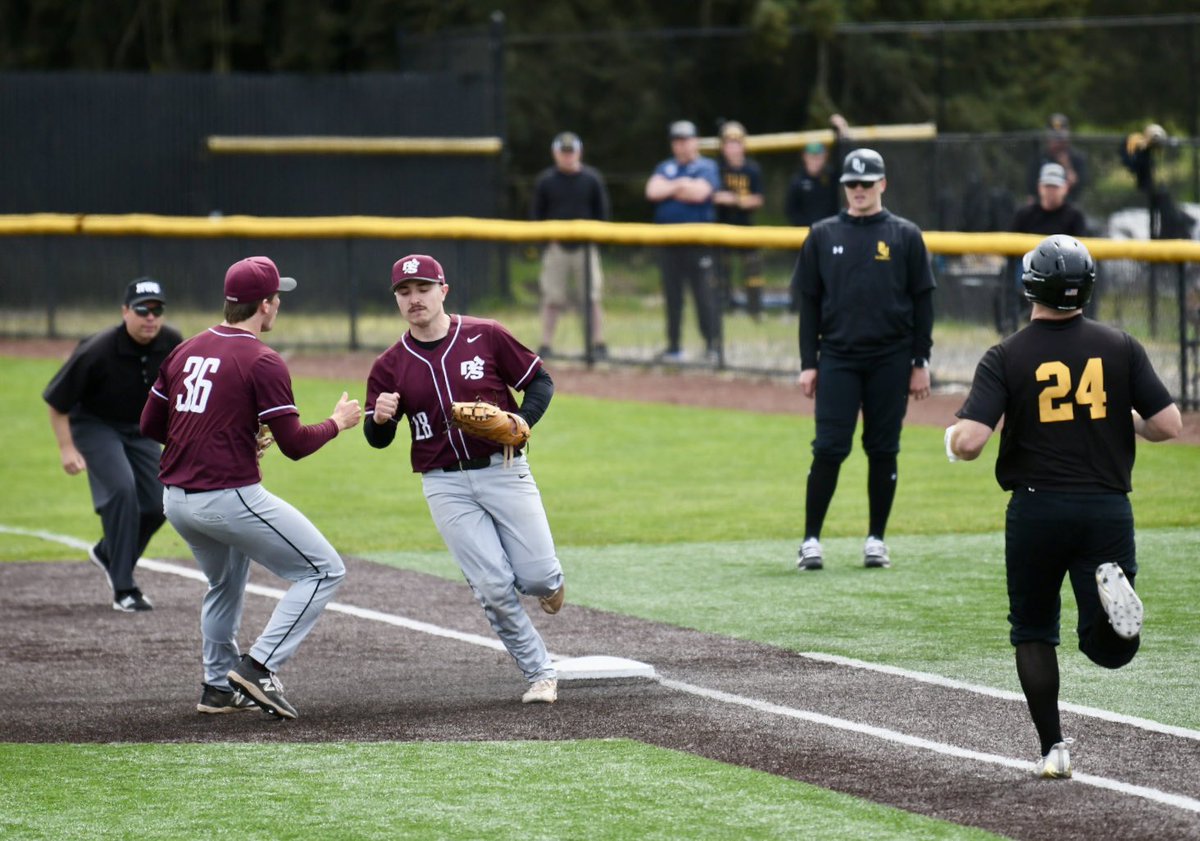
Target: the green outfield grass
pixel 511 790
pixel 682 515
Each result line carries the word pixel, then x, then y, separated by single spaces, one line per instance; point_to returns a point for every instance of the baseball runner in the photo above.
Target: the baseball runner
pixel 1073 394
pixel 209 403
pixel 866 329
pixel 95 401
pixel 484 500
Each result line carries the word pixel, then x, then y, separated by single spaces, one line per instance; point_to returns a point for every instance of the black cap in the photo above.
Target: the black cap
pixel 144 289
pixel 863 165
pixel 567 141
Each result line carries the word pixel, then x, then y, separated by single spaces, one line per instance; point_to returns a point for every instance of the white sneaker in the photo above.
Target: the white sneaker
pixel 1056 765
pixel 1122 605
pixel 811 556
pixel 544 691
pixel 875 554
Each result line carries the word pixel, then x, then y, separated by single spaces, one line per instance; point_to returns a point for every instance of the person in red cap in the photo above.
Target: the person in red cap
pixel 218 400
pixel 489 513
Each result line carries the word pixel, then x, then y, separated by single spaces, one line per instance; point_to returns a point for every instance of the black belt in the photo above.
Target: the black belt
pixel 469 464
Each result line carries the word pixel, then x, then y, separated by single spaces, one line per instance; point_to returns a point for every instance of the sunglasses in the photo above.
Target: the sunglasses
pixel 854 185
pixel 148 309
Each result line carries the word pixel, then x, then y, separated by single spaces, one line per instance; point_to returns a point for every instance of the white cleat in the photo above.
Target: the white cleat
pixel 811 556
pixel 1056 765
pixel 875 554
pixel 1122 605
pixel 544 691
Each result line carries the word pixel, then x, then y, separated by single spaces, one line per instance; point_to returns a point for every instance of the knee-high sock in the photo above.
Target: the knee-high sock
pixel 881 490
pixel 1037 667
pixel 822 482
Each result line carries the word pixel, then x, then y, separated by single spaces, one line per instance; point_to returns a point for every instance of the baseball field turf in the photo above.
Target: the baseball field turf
pixel 667 514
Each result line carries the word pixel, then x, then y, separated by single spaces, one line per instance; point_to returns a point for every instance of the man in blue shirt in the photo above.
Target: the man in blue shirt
pixel 682 190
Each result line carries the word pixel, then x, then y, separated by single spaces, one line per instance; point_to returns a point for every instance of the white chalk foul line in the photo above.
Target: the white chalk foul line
pixel 1167 798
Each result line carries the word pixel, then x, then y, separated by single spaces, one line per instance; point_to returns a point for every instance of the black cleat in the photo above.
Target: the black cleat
pixel 261 687
pixel 215 700
pixel 131 601
pixel 96 556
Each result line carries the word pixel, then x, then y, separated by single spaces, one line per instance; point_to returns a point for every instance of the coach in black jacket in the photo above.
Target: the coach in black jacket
pixel 866 330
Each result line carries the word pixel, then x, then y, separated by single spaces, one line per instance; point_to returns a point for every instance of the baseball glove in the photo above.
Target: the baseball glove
pixel 491 423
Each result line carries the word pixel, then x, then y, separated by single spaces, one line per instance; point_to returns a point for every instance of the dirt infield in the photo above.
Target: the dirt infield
pixel 89 674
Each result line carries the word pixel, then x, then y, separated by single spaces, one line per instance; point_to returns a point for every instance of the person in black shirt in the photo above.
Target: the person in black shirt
pixel 570 190
pixel 740 194
pixel 814 193
pixel 866 329
pixel 1052 213
pixel 1073 394
pixel 1058 150
pixel 95 402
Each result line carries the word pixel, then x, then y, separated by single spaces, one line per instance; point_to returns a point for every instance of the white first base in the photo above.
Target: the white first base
pixel 601 666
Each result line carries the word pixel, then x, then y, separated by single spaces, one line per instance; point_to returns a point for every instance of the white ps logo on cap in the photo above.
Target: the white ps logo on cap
pixel 148 287
pixel 411 266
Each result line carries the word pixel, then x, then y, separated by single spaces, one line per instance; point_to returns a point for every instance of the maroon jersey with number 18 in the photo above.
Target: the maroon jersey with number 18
pixel 216 388
pixel 477 360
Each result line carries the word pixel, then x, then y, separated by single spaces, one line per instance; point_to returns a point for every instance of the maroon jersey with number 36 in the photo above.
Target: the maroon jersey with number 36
pixel 477 360
pixel 218 386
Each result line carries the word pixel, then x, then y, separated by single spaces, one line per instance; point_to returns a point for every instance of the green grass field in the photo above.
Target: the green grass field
pixel 668 513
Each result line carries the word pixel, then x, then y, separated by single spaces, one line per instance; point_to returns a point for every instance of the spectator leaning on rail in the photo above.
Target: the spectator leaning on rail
pixel 95 401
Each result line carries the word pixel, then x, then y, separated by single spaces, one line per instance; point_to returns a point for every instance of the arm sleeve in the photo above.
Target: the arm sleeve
pixel 988 397
pixel 537 397
pixel 807 284
pixel 603 209
pixel 379 435
pixel 297 441
pixel 791 203
pixel 66 388
pixel 1148 394
pixel 537 208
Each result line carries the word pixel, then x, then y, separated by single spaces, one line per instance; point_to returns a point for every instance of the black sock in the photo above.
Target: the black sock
pixel 1037 667
pixel 822 482
pixel 881 490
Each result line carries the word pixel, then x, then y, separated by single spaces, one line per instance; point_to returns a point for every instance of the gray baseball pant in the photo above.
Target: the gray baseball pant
pixel 122 471
pixel 495 526
pixel 226 530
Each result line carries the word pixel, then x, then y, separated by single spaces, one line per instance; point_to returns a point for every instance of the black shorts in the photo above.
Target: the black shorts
pixel 1049 535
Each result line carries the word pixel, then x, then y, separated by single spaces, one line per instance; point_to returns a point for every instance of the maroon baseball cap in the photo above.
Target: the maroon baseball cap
pixel 417 267
pixel 255 279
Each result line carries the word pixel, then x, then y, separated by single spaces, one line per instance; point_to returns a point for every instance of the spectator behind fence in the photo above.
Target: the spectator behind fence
pixel 740 194
pixel 813 192
pixel 570 190
pixel 1141 153
pixel 95 402
pixel 866 330
pixel 681 189
pixel 1058 150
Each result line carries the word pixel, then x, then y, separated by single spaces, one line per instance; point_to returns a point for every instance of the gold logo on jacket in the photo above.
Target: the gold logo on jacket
pixel 882 252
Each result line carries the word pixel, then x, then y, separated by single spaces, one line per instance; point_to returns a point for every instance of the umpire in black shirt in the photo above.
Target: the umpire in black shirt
pixel 96 401
pixel 866 330
pixel 1073 394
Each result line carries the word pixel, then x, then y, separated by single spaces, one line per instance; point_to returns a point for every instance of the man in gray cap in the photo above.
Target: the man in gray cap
pixel 866 330
pixel 682 189
pixel 570 190
pixel 95 402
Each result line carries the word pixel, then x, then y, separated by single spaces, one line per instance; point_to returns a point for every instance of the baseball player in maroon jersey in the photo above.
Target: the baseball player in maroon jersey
pixel 211 397
pixel 490 514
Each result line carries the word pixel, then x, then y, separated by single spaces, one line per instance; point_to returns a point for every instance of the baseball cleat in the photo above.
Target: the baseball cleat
pixel 1124 608
pixel 131 601
pixel 262 687
pixel 217 701
pixel 810 557
pixel 875 554
pixel 544 691
pixel 1056 765
pixel 553 603
pixel 101 560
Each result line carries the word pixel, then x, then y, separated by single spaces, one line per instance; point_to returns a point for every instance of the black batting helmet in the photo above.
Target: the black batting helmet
pixel 1059 273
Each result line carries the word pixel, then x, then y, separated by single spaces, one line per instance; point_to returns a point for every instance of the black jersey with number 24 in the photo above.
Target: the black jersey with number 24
pixel 1065 390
